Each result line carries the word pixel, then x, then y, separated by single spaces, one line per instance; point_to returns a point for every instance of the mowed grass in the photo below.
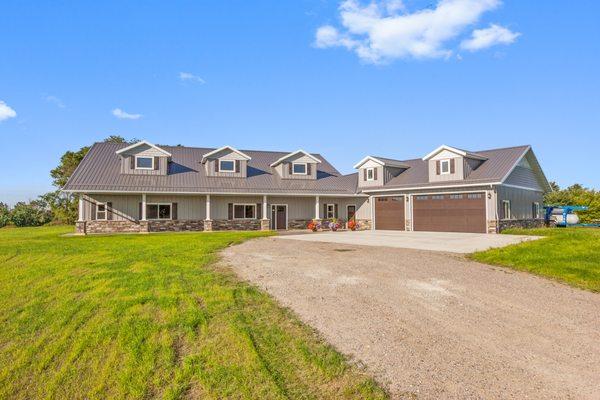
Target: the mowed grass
pixel 147 316
pixel 569 255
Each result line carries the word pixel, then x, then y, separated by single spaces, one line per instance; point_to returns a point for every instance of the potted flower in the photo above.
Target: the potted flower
pixel 352 225
pixel 313 226
pixel 334 224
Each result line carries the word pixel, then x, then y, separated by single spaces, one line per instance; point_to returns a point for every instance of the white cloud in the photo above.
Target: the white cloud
pixel 188 76
pixel 117 112
pixel 384 30
pixel 56 101
pixel 6 112
pixel 488 37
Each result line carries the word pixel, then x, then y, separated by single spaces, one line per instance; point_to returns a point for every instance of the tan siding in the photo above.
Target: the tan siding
pixel 188 207
pixel 457 175
pixel 210 169
pixel 163 163
pixel 377 182
pixel 125 207
pixel 521 201
pixel 284 168
pixel 219 204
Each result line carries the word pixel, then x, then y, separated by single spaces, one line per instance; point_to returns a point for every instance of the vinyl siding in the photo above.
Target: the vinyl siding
pixel 163 165
pixel 362 183
pixel 125 207
pixel 457 175
pixel 521 201
pixel 210 169
pixel 284 168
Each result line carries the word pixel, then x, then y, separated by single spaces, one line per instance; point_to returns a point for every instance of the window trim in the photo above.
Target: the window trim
pixel 372 171
pixel 504 202
pixel 158 211
pixel 327 210
pixel 226 170
pixel 245 204
pixel 536 205
pixel 299 173
pixel 146 168
pixel 105 211
pixel 447 161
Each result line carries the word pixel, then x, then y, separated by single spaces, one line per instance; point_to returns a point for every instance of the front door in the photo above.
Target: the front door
pixel 279 216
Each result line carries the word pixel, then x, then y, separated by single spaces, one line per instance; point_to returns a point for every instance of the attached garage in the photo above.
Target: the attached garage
pixel 389 213
pixel 461 212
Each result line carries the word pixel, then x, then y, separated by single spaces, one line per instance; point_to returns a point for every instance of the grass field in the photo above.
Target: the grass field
pixel 570 255
pixel 147 316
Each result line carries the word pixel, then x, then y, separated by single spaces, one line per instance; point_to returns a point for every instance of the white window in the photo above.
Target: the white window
pixel 226 166
pixel 158 211
pixel 445 166
pixel 370 174
pixel 299 168
pixel 330 211
pixel 101 211
pixel 506 209
pixel 535 210
pixel 244 211
pixel 144 162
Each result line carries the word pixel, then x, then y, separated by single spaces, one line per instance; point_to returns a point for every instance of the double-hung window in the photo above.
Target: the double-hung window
pixel 144 162
pixel 370 174
pixel 299 168
pixel 226 166
pixel 535 210
pixel 330 211
pixel 101 211
pixel 506 209
pixel 445 166
pixel 158 211
pixel 244 211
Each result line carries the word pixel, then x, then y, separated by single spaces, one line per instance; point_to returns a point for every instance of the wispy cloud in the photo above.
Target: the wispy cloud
pixel 117 112
pixel 55 100
pixel 188 76
pixel 488 37
pixel 6 112
pixel 384 30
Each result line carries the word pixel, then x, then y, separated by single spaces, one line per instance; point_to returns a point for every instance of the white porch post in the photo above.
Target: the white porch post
pixel 317 208
pixel 143 206
pixel 80 217
pixel 264 208
pixel 208 207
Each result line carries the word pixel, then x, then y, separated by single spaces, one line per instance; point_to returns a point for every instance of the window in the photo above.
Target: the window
pixel 330 211
pixel 299 168
pixel 226 166
pixel 158 211
pixel 535 210
pixel 422 197
pixel 506 209
pixel 244 211
pixel 456 196
pixel 101 211
pixel 144 162
pixel 370 174
pixel 351 211
pixel 437 197
pixel 474 195
pixel 445 166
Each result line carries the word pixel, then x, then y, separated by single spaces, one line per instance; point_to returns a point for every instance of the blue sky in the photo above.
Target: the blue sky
pixel 342 79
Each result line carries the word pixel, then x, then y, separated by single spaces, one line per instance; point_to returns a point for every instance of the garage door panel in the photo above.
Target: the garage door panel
pixel 450 213
pixel 389 213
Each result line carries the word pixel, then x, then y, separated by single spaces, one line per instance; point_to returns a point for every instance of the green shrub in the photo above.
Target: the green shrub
pixel 4 215
pixel 36 213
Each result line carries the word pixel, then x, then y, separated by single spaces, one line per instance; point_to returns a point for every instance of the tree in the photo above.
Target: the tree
pixel 4 214
pixel 34 213
pixel 576 195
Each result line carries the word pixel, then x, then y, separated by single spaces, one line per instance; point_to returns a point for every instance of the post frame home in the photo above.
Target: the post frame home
pixel 147 188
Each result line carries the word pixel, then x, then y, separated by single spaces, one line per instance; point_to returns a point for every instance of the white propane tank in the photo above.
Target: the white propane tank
pixel 557 216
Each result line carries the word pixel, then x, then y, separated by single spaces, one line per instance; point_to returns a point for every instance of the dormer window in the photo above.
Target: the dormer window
pixel 444 167
pixel 299 168
pixel 226 166
pixel 370 174
pixel 144 162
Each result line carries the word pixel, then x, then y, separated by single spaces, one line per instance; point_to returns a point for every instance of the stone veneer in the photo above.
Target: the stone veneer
pixel 364 224
pixel 236 224
pixel 176 225
pixel 519 223
pixel 110 226
pixel 298 223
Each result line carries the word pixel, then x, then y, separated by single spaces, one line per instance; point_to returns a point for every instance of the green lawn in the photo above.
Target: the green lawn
pixel 147 316
pixel 570 255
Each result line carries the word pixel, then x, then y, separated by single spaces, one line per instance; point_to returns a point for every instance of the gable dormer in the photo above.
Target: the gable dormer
pixel 297 165
pixel 450 164
pixel 377 171
pixel 226 161
pixel 144 158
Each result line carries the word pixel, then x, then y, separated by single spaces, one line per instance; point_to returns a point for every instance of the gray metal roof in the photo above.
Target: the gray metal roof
pixel 100 171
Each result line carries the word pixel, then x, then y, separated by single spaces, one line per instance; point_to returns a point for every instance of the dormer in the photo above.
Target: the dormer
pixel 377 171
pixel 226 161
pixel 144 158
pixel 450 164
pixel 297 165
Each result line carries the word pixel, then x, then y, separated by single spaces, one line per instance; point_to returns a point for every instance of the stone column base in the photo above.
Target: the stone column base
pixel 265 224
pixel 80 228
pixel 144 227
pixel 207 225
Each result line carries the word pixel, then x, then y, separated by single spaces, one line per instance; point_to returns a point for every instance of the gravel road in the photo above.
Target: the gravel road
pixel 432 325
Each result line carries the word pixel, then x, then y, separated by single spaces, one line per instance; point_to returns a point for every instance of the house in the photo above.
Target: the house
pixel 147 188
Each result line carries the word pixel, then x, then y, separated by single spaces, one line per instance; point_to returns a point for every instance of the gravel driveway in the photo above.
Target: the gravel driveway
pixel 435 325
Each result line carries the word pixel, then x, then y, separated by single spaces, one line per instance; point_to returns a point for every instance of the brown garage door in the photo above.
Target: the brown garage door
pixel 450 213
pixel 389 213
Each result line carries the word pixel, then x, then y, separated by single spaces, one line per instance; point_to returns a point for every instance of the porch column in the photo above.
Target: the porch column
pixel 80 217
pixel 264 222
pixel 317 208
pixel 143 206
pixel 207 220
